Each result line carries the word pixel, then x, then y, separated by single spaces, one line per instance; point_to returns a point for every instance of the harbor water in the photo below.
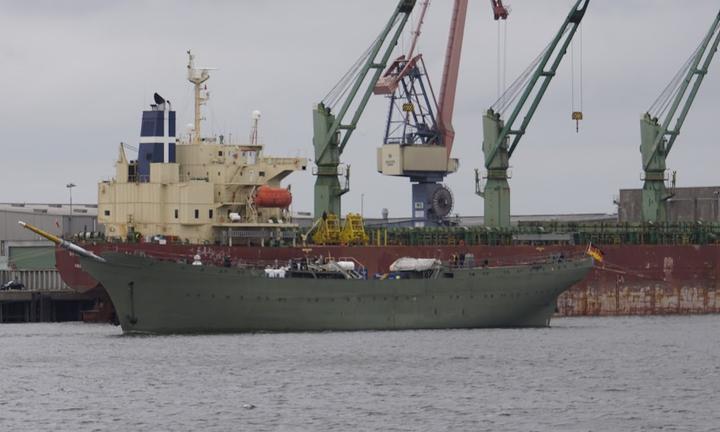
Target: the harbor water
pixel 582 374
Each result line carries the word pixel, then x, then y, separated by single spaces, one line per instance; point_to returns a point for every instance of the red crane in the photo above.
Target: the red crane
pixel 499 10
pixel 419 134
pixel 448 86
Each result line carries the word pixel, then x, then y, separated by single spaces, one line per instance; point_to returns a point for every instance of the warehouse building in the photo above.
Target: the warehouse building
pixel 32 287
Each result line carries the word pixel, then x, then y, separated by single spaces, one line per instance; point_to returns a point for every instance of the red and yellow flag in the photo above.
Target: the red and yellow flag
pixel 595 252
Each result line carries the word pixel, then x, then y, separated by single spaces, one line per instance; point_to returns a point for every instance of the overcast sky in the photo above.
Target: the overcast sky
pixel 75 76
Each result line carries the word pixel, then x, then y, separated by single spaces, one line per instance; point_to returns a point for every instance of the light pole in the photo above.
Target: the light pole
pixel 70 187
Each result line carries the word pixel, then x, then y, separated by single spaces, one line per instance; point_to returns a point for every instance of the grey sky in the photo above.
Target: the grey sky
pixel 75 76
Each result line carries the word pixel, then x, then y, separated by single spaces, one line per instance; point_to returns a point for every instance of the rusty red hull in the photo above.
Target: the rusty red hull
pixel 648 280
pixel 632 280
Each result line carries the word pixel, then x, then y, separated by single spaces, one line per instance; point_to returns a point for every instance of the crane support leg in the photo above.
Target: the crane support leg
pixel 654 197
pixel 327 184
pixel 497 200
pixel 497 190
pixel 327 195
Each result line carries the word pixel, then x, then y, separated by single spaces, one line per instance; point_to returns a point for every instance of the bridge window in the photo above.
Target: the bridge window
pixel 197 214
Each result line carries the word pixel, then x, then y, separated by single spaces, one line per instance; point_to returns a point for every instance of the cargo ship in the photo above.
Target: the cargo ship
pixel 224 203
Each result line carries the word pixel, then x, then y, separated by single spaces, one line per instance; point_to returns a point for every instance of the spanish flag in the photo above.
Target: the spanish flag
pixel 594 252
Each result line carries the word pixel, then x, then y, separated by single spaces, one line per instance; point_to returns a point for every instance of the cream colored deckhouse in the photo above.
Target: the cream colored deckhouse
pixel 197 190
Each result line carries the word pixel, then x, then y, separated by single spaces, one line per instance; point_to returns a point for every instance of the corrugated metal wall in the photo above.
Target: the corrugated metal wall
pixel 36 280
pixel 689 204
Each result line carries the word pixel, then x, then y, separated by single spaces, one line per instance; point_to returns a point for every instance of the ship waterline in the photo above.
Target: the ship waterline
pixel 156 296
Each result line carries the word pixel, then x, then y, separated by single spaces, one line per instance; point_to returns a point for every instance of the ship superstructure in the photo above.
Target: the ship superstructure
pixel 196 189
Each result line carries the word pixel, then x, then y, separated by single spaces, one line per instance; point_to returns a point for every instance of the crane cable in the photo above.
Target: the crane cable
pixel 577 66
pixel 507 99
pixel 663 102
pixel 343 85
pixel 341 88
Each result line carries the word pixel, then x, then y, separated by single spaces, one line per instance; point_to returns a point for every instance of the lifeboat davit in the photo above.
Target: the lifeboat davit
pixel 266 196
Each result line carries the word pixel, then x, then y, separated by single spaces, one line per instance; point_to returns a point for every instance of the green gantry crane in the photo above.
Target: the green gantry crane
pixel 497 133
pixel 331 135
pixel 657 138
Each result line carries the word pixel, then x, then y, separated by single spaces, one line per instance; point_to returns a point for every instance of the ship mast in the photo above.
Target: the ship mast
pixel 197 76
pixel 254 128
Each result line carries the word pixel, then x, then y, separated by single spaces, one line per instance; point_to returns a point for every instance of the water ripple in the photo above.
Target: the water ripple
pixel 584 374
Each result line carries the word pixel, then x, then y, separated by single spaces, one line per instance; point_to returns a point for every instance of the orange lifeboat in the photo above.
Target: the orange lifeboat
pixel 267 196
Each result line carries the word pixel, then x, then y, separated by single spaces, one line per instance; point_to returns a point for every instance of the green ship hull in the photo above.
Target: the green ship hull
pixel 152 296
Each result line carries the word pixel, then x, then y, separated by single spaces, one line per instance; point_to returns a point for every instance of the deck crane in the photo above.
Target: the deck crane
pixel 419 133
pixel 331 133
pixel 501 137
pixel 657 135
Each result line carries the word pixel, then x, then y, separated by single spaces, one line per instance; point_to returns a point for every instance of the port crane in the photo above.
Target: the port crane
pixel 657 132
pixel 331 131
pixel 419 134
pixel 501 137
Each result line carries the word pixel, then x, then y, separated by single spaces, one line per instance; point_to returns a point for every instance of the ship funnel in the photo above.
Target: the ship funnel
pixel 157 137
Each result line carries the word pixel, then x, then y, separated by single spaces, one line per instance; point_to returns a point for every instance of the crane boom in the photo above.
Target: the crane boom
pixel 448 88
pixel 658 138
pixel 496 132
pixel 331 134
